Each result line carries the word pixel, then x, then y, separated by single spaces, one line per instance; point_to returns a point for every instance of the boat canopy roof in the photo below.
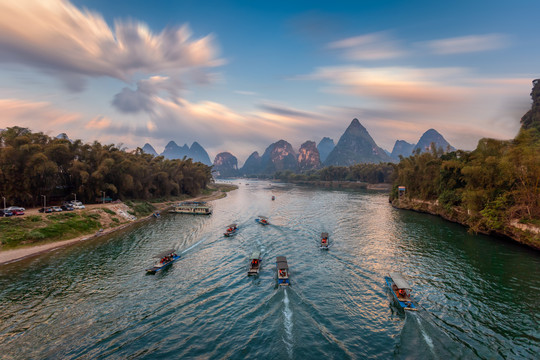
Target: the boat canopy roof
pixel 255 255
pixel 262 217
pixel 281 262
pixel 400 282
pixel 231 225
pixel 324 234
pixel 165 253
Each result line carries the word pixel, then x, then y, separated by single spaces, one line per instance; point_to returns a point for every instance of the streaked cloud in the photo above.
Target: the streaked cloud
pixel 134 101
pixel 100 122
pixel 376 46
pixel 242 92
pixel 59 39
pixel 466 44
pixel 17 112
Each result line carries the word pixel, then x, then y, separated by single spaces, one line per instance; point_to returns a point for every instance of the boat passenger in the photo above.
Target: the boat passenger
pixel 402 292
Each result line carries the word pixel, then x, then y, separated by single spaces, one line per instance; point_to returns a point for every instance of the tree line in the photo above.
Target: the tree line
pixel 369 173
pixel 34 165
pixel 497 182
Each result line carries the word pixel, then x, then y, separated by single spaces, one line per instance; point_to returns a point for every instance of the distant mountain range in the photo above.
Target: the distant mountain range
pixel 173 151
pixel 355 146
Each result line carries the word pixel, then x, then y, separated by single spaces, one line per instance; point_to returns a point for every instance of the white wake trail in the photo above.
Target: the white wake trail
pixel 288 322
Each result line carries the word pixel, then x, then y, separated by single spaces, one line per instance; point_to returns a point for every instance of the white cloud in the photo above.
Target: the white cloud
pixel 466 44
pixel 58 38
pixel 376 46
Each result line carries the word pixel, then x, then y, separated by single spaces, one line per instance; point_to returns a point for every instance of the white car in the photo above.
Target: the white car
pixel 16 208
pixel 77 204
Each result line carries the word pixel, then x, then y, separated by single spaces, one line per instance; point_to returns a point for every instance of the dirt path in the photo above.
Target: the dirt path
pixel 9 256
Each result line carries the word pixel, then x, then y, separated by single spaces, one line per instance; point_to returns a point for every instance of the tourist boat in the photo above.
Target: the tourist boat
pixel 282 271
pixel 324 241
pixel 273 197
pixel 192 207
pixel 263 220
pixel 400 288
pixel 231 230
pixel 166 258
pixel 254 263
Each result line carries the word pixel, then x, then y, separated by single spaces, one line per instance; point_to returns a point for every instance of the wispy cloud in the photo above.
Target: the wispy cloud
pixel 466 44
pixel 242 92
pixel 17 112
pixel 376 46
pixel 58 38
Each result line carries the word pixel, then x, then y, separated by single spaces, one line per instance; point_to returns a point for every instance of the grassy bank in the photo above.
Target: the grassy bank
pixel 31 230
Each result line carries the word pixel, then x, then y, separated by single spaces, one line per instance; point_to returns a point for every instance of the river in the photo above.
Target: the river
pixel 478 295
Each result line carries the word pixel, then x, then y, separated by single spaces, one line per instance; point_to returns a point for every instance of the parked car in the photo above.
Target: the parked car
pixel 13 208
pixel 56 208
pixel 17 212
pixel 46 210
pixel 5 213
pixel 67 207
pixel 77 204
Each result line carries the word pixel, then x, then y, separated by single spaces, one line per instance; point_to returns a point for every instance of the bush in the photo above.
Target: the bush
pixel 108 211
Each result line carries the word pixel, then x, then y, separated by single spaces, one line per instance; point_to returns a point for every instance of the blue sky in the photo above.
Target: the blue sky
pixel 236 76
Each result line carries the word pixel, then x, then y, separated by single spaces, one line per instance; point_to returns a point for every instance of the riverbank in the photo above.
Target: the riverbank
pixel 352 185
pixel 100 219
pixel 526 234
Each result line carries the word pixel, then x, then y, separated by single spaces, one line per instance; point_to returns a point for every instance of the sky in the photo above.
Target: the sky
pixel 239 75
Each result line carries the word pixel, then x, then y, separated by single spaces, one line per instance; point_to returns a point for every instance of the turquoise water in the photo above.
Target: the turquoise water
pixel 478 295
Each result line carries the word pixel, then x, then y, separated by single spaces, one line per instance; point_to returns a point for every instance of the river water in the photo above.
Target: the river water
pixel 479 296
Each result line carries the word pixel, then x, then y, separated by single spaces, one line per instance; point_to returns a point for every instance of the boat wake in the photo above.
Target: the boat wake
pixel 288 322
pixel 426 337
pixel 194 245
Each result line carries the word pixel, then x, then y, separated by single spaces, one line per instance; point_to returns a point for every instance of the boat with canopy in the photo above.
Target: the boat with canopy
pixel 324 241
pixel 282 271
pixel 166 258
pixel 231 230
pixel 263 220
pixel 400 289
pixel 254 263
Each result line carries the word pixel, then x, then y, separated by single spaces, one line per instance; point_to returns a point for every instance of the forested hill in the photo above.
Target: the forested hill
pixel 493 189
pixel 33 165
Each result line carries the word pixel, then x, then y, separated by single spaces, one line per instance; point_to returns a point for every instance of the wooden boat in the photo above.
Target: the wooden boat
pixel 400 288
pixel 166 258
pixel 282 271
pixel 192 207
pixel 231 230
pixel 273 197
pixel 324 241
pixel 254 263
pixel 263 220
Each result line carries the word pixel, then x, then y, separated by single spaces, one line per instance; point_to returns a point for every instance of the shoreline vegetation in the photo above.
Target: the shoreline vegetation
pixel 54 231
pixel 494 189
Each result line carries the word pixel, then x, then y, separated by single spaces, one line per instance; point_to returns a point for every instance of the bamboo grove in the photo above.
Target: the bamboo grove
pixel 496 183
pixel 34 166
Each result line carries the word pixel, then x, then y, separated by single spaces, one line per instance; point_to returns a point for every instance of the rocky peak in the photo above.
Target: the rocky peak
pixel 403 148
pixel 252 165
pixel 225 165
pixel 532 118
pixel 325 147
pixel 149 149
pixel 432 136
pixel 356 146
pixel 198 153
pixel 308 156
pixel 278 156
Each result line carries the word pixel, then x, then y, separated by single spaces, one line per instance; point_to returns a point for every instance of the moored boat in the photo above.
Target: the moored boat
pixel 254 263
pixel 231 230
pixel 192 207
pixel 324 241
pixel 166 258
pixel 282 271
pixel 263 220
pixel 400 289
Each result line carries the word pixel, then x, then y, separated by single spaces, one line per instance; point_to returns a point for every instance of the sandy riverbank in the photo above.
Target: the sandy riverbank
pixel 9 256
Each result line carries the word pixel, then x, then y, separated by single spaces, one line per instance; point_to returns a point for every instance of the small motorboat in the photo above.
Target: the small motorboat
pixel 263 220
pixel 231 230
pixel 255 263
pixel 273 197
pixel 282 271
pixel 324 241
pixel 400 289
pixel 166 258
pixel 157 215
